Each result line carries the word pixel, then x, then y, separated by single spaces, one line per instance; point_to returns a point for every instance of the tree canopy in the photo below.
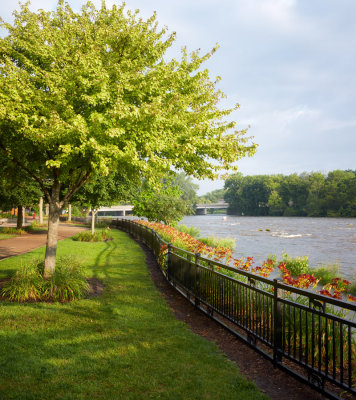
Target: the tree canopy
pixel 92 91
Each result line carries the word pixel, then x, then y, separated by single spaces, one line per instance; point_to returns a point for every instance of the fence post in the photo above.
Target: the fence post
pixel 197 279
pixel 152 240
pixel 167 260
pixel 278 324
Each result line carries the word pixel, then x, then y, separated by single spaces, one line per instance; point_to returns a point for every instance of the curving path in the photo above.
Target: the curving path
pixel 30 241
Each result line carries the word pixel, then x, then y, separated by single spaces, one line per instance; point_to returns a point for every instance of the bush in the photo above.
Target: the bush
pixel 36 226
pixel 353 286
pixel 190 230
pixel 219 242
pixel 103 223
pixel 67 283
pixel 297 265
pixel 98 236
pixel 6 215
pixel 26 284
pixel 326 272
pixel 12 231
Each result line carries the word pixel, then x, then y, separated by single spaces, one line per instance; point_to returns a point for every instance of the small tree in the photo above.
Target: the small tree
pixel 162 205
pixel 103 191
pixel 92 92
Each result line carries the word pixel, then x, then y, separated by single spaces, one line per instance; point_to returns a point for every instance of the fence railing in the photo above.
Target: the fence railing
pixel 311 336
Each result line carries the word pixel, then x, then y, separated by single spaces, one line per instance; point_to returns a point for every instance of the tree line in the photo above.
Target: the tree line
pixel 309 194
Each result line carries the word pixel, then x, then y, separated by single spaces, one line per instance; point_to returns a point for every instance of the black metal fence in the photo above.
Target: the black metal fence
pixel 311 336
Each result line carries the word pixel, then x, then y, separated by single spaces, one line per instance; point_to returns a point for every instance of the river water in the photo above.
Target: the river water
pixel 323 240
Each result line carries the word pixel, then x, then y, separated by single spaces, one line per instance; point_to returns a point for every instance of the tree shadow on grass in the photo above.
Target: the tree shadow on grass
pixel 123 345
pixel 76 351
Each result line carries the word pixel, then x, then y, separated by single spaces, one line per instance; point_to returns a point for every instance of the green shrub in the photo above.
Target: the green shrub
pixel 353 286
pixel 6 215
pixel 273 258
pixel 326 272
pixel 190 230
pixel 26 284
pixel 214 241
pixel 98 236
pixel 67 283
pixel 36 226
pixel 103 223
pixel 12 231
pixel 297 265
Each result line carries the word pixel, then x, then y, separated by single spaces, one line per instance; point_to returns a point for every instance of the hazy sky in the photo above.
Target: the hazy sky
pixel 290 64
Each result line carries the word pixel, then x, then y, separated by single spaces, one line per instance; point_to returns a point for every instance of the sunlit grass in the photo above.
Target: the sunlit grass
pixel 125 344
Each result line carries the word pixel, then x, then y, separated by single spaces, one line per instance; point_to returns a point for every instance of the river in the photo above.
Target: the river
pixel 323 240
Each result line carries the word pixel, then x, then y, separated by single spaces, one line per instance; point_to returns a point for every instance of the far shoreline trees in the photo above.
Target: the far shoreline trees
pixel 305 195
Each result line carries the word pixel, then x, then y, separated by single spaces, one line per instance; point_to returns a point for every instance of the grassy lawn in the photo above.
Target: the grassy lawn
pixel 125 344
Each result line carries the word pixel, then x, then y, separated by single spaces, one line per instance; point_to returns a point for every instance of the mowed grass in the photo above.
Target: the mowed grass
pixel 125 344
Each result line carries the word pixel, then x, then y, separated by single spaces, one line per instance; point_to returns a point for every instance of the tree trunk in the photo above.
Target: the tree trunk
pixel 19 224
pixel 93 213
pixel 69 212
pixel 52 236
pixel 41 211
pixel 47 210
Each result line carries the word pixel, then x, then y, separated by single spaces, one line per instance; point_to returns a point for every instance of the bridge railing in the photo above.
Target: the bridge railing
pixel 311 336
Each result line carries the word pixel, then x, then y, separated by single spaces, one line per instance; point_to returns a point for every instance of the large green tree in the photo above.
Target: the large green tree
pixel 339 194
pixel 93 91
pixel 248 195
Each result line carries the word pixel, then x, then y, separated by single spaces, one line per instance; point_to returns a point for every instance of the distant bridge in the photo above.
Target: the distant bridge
pixel 115 211
pixel 202 209
pixel 123 210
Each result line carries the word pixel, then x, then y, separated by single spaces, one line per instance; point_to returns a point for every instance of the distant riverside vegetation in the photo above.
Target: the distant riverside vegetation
pixel 308 194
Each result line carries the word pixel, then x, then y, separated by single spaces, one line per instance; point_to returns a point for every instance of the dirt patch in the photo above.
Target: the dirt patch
pixel 96 287
pixel 275 383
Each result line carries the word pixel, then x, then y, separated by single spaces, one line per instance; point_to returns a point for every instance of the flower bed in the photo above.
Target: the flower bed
pixel 335 289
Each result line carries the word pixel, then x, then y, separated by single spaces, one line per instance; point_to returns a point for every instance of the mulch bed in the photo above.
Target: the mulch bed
pixel 275 383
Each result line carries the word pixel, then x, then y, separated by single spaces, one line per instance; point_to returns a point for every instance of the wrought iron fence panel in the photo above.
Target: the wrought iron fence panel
pixel 305 333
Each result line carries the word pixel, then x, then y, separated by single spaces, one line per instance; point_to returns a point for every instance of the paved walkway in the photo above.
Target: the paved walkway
pixel 30 241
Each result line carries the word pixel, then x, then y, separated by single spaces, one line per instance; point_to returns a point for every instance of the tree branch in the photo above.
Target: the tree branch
pixel 74 188
pixel 21 165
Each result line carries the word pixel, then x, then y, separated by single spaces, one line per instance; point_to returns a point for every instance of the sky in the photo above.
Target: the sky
pixel 290 64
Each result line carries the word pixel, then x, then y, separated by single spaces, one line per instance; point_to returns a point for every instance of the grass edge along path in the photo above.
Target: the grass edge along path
pixel 125 344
